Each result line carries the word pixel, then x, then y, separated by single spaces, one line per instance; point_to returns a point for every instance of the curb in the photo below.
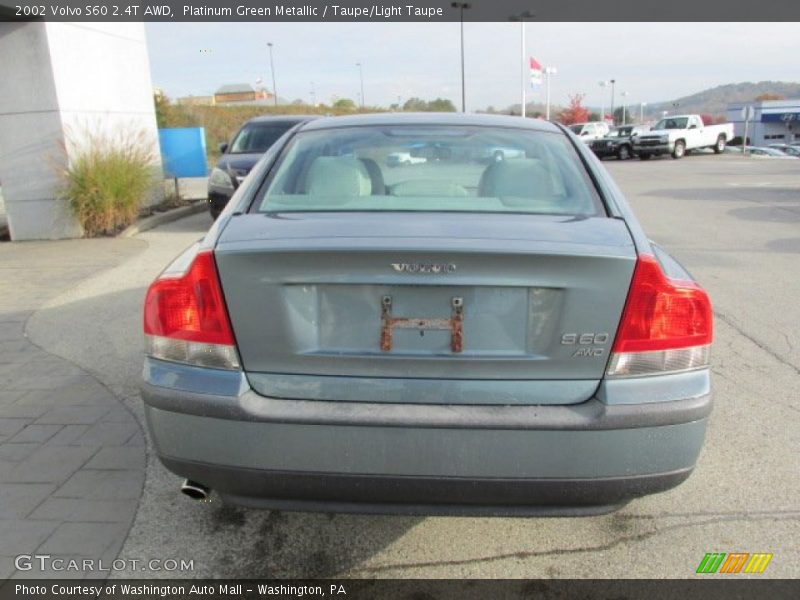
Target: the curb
pixel 165 217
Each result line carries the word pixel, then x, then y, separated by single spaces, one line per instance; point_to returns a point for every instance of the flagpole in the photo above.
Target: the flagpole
pixel 522 48
pixel 547 73
pixel 524 66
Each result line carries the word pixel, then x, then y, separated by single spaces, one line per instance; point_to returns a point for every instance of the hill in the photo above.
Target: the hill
pixel 714 101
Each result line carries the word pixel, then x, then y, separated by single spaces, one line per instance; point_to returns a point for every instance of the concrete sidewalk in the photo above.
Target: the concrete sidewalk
pixel 72 456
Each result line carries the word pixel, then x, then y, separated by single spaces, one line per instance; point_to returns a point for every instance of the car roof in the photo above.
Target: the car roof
pixel 282 118
pixel 479 120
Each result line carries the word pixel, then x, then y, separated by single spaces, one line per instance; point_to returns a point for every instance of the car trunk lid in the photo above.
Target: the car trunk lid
pixel 425 307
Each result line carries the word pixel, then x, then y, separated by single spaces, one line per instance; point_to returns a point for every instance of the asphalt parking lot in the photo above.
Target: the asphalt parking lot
pixel 733 222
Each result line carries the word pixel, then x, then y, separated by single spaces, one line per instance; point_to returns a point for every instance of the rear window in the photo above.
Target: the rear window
pixel 430 168
pixel 256 138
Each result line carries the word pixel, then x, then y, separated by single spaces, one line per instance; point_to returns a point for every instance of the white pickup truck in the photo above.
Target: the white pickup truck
pixel 678 134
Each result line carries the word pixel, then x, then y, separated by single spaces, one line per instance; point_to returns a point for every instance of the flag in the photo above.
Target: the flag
pixel 536 72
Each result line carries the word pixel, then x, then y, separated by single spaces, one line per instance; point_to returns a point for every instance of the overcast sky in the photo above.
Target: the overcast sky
pixel 651 61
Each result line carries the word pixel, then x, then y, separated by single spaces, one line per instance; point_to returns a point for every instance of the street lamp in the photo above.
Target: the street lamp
pixel 603 85
pixel 272 69
pixel 462 6
pixel 548 72
pixel 521 18
pixel 612 81
pixel 624 95
pixel 361 77
pixel 641 111
pixel 313 95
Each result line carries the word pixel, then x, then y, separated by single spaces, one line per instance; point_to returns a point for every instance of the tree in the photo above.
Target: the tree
pixel 415 105
pixel 707 119
pixel 344 103
pixel 441 105
pixel 618 115
pixel 162 108
pixel 438 105
pixel 769 96
pixel 575 112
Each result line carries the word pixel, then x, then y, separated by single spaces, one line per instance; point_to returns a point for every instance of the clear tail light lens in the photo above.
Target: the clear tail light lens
pixel 667 325
pixel 185 319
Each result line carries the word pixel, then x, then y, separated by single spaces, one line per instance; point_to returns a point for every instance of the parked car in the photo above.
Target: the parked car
pixel 396 159
pixel 618 142
pixel 467 338
pixel 679 134
pixel 248 145
pixel 766 151
pixel 787 149
pixel 590 131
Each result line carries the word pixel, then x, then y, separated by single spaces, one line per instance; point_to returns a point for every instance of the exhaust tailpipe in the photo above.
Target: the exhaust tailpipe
pixel 195 490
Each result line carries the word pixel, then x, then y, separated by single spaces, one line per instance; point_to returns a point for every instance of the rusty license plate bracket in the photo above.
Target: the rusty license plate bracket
pixel 454 324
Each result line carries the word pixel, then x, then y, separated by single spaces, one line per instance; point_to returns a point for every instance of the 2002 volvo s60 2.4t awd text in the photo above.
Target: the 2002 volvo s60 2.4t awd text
pixel 459 335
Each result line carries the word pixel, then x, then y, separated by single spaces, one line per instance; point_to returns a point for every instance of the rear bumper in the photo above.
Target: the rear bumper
pixel 452 496
pixel 421 459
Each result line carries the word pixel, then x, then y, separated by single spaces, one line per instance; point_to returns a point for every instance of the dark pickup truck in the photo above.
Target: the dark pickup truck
pixel 616 143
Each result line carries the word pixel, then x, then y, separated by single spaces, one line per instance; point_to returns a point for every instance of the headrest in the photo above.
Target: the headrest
pixel 520 177
pixel 338 176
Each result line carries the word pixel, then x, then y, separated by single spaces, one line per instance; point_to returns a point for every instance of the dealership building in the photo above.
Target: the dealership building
pixel 770 121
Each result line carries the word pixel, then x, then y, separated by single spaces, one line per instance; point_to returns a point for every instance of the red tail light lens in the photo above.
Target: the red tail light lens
pixel 662 313
pixel 667 324
pixel 185 318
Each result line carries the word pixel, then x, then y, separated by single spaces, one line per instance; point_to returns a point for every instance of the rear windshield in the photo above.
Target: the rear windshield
pixel 430 168
pixel 256 138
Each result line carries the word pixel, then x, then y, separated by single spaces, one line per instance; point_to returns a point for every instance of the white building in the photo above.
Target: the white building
pixel 771 122
pixel 57 81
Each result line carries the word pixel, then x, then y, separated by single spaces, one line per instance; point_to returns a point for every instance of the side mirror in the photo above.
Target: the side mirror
pixel 223 147
pixel 692 126
pixel 584 133
pixel 652 129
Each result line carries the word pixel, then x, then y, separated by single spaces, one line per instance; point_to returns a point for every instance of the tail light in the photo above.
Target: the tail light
pixel 185 319
pixel 667 325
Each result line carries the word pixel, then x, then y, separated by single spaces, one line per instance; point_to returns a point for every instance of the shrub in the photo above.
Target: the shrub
pixel 107 179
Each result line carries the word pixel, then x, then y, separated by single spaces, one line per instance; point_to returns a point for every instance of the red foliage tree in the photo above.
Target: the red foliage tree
pixel 575 112
pixel 707 119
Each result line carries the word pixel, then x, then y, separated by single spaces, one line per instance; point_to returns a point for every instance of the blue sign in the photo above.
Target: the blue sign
pixel 183 152
pixel 782 117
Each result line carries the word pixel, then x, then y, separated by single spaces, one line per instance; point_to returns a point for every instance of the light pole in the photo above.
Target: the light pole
pixel 523 55
pixel 624 106
pixel 612 81
pixel 313 95
pixel 462 6
pixel 361 77
pixel 641 111
pixel 548 72
pixel 272 69
pixel 603 85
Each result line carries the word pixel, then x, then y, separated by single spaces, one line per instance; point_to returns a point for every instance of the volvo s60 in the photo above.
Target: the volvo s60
pixel 460 337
